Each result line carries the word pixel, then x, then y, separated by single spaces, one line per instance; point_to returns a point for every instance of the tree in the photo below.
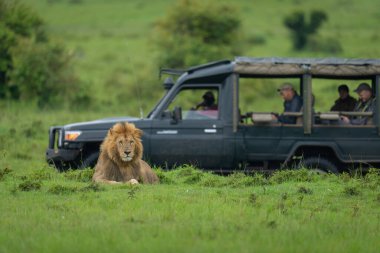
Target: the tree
pixel 31 67
pixel 16 21
pixel 197 31
pixel 301 29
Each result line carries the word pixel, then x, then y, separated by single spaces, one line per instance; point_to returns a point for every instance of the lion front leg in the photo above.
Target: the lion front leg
pixel 105 181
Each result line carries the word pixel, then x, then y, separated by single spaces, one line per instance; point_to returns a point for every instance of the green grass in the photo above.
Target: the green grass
pixel 288 212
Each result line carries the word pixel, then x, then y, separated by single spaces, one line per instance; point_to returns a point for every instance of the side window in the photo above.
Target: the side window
pixel 343 102
pixel 270 101
pixel 197 103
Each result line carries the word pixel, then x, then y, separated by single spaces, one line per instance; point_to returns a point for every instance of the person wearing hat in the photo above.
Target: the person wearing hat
pixel 292 103
pixel 366 103
pixel 208 102
pixel 345 103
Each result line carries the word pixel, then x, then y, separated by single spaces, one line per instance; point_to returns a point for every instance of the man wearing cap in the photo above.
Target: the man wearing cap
pixel 292 103
pixel 345 103
pixel 366 103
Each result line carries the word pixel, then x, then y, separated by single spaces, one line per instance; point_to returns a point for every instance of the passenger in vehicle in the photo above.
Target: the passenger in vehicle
pixel 292 103
pixel 208 102
pixel 366 103
pixel 345 102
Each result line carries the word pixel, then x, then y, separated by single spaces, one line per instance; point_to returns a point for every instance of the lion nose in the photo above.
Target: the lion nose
pixel 127 152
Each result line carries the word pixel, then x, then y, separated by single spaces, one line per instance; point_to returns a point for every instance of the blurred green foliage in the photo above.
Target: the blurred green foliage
pixel 195 32
pixel 113 45
pixel 301 28
pixel 31 67
pixel 17 21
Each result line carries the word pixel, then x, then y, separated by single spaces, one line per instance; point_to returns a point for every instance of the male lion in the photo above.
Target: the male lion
pixel 120 158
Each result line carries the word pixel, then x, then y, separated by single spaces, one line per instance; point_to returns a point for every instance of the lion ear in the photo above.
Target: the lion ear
pixel 110 132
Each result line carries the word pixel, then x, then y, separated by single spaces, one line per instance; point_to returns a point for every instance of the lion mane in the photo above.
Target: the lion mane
pixel 120 159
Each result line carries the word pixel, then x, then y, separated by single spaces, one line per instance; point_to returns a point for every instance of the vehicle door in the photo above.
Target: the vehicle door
pixel 262 136
pixel 196 135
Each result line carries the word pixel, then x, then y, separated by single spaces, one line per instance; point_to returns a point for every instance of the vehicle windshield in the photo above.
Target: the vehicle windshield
pixel 155 107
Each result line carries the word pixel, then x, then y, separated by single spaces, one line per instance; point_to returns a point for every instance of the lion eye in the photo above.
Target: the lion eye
pixel 120 142
pixel 132 142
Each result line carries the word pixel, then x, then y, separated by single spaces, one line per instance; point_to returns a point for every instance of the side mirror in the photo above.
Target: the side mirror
pixel 177 115
pixel 168 83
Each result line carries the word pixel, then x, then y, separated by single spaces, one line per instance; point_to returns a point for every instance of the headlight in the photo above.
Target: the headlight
pixel 72 135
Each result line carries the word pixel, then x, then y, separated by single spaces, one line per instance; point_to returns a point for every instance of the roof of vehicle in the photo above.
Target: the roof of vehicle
pixel 323 67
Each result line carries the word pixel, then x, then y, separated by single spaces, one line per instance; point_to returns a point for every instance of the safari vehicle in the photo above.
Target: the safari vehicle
pixel 240 133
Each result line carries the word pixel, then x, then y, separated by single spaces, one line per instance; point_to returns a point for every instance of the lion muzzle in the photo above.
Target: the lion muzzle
pixel 127 156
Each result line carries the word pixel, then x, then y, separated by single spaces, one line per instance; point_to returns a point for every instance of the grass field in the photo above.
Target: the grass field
pixel 191 211
pixel 45 211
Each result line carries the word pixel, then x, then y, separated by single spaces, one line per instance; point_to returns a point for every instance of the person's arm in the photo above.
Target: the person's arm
pixel 295 106
pixel 287 119
pixel 359 121
pixel 363 119
pixel 335 106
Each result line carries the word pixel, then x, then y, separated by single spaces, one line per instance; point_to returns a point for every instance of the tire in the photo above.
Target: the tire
pixel 89 161
pixel 319 165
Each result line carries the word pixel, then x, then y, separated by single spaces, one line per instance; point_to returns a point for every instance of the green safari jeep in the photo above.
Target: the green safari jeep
pixel 237 131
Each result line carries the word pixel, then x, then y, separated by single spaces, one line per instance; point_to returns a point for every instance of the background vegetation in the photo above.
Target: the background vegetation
pixel 198 31
pixel 114 43
pixel 114 60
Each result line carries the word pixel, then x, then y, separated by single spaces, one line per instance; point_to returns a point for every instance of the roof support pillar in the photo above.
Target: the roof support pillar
pixel 307 104
pixel 235 106
pixel 376 113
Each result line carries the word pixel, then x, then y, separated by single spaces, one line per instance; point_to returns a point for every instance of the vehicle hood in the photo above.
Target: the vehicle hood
pixel 101 124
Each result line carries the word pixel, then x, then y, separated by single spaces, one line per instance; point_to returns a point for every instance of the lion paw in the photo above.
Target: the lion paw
pixel 133 181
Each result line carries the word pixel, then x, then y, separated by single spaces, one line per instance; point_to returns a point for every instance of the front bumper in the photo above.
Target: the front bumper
pixel 56 154
pixel 61 155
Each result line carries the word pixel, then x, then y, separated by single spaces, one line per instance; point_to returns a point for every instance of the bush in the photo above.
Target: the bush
pixel 42 174
pixel 301 29
pixel 197 31
pixel 42 72
pixel 302 175
pixel 62 189
pixel 84 175
pixel 372 179
pixel 58 189
pixel 304 190
pixel 32 68
pixel 17 21
pixel 92 187
pixel 4 172
pixel 351 190
pixel 242 180
pixel 30 185
pixel 188 174
pixel 163 176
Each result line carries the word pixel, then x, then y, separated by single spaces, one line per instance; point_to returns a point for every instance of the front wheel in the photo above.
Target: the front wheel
pixel 89 161
pixel 319 165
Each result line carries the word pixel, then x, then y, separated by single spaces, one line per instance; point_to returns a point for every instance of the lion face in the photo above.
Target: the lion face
pixel 125 148
pixel 123 143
